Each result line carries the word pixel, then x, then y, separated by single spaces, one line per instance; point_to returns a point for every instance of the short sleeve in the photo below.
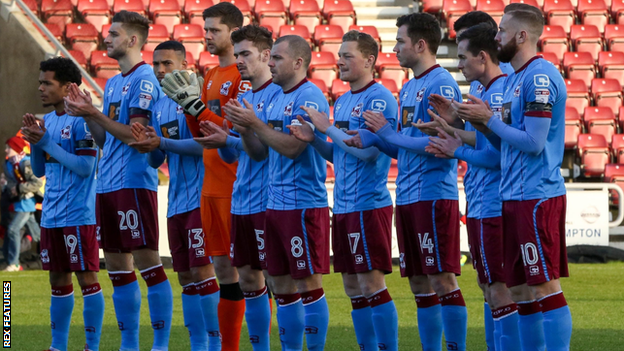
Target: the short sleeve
pixel 311 100
pixel 539 95
pixel 84 144
pixel 145 93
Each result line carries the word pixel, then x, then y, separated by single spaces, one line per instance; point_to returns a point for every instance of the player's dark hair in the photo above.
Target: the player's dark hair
pixel 298 47
pixel 261 37
pixel 226 12
pixel 133 22
pixel 481 38
pixel 65 70
pixel 473 18
pixel 365 42
pixel 172 45
pixel 529 17
pixel 421 25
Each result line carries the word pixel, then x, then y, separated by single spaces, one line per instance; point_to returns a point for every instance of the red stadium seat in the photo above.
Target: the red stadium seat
pixel 192 36
pixel 191 62
pixel 390 85
pixel 600 120
pixel 130 5
pixel 299 30
pixel 617 11
pixel 79 57
pixel 56 31
pixel 462 167
pixel 554 39
pixel 207 61
pixel 82 37
pixel 59 12
pixel 578 95
pixel 573 127
pixel 104 32
pixel 586 38
pixel 96 12
pixel 617 147
pixel 245 8
pixel 452 10
pixel 323 67
pixel 432 6
pixel 528 2
pixel 494 8
pixel 104 66
pixel 614 173
pixel 340 13
pixel 611 64
pixel 388 67
pixel 594 152
pixel 559 12
pixel 193 9
pixel 157 34
pixel 614 36
pixel 148 57
pixel 338 88
pixel 306 13
pixel 593 12
pixel 32 6
pixel 271 13
pixel 579 65
pixel 328 38
pixel 370 30
pixel 607 93
pixel 331 176
pixel 101 82
pixel 394 171
pixel 166 12
pixel 552 58
pixel 321 85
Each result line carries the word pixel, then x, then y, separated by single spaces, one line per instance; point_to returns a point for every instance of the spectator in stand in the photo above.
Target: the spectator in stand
pixel 20 185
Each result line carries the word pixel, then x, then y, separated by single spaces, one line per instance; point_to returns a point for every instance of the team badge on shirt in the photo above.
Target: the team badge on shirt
pixel 260 106
pixel 480 89
pixel 179 110
pixel 225 88
pixel 518 90
pixel 66 132
pixel 419 95
pixel 125 89
pixel 288 109
pixel 357 110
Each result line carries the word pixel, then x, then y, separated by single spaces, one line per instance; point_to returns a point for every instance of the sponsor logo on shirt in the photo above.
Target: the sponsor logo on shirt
pixel 419 95
pixel 496 99
pixel 407 116
pixel 145 100
pixel 147 86
pixel 342 125
pixel 66 132
pixel 447 91
pixel 301 264
pixel 542 95
pixel 541 80
pixel 356 111
pixel 378 105
pixel 225 88
pixel 506 113
pixel 311 104
pixel 244 87
pixel 276 124
pixel 171 130
pixel 359 259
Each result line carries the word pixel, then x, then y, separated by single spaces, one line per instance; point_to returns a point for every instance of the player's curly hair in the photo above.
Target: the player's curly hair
pixel 133 22
pixel 227 13
pixel 65 70
pixel 260 37
pixel 421 25
pixel 473 18
pixel 481 38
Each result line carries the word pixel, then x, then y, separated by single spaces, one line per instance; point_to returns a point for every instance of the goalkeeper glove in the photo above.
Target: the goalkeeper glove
pixel 184 89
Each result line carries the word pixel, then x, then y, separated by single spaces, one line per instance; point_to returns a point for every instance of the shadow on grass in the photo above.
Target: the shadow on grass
pixel 37 338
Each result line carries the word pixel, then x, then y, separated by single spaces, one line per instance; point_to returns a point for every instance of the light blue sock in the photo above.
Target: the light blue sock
pixel 497 336
pixel 93 315
pixel 209 306
pixel 61 308
pixel 430 327
pixel 558 329
pixel 290 318
pixel 127 302
pixel 489 328
pixel 160 300
pixel 531 328
pixel 364 329
pixel 386 322
pixel 316 323
pixel 510 336
pixel 194 322
pixel 455 321
pixel 258 317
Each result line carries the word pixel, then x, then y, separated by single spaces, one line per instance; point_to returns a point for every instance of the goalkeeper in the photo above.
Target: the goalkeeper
pixel 221 84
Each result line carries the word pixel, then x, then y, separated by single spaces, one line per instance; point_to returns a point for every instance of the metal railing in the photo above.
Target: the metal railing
pixel 60 49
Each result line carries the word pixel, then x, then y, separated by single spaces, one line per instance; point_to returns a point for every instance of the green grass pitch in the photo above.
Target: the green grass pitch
pixel 595 294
